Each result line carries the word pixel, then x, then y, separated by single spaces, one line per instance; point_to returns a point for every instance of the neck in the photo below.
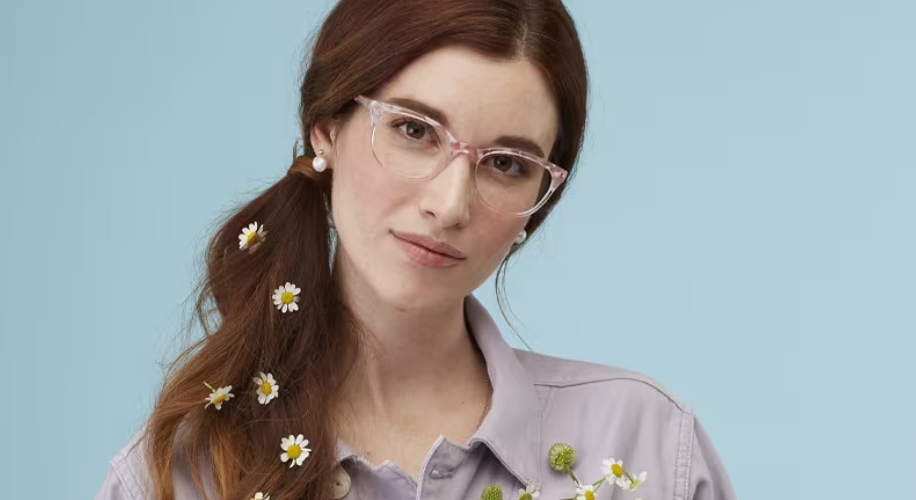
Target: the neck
pixel 407 355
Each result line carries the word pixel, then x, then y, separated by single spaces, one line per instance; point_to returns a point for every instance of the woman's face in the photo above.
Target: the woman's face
pixel 381 215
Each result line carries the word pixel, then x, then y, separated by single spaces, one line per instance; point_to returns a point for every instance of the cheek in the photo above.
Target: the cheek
pixel 364 193
pixel 495 234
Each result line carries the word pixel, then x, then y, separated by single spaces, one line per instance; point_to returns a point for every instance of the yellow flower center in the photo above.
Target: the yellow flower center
pixel 251 237
pixel 219 399
pixel 589 495
pixel 294 451
pixel 287 297
pixel 266 388
pixel 617 470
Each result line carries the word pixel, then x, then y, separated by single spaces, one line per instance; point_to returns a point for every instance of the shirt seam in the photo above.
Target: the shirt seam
pixel 545 404
pixel 124 470
pixel 683 460
pixel 126 478
pixel 558 385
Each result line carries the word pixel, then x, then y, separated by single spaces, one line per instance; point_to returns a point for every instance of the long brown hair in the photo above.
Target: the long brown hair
pixel 361 46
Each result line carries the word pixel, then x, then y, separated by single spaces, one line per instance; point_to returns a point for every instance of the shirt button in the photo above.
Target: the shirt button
pixel 340 485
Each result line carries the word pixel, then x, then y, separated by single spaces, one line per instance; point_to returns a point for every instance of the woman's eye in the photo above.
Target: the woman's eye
pixel 414 129
pixel 508 165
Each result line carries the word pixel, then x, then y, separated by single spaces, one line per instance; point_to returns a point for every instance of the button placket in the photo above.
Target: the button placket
pixel 445 464
pixel 440 473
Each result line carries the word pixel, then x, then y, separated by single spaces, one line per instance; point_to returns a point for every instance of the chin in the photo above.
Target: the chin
pixel 405 290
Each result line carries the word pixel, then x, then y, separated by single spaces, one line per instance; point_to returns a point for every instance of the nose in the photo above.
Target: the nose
pixel 447 197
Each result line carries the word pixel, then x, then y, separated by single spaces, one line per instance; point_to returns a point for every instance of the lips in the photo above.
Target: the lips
pixel 431 244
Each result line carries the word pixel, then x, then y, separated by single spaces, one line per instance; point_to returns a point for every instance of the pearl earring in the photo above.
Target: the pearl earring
pixel 319 163
pixel 522 236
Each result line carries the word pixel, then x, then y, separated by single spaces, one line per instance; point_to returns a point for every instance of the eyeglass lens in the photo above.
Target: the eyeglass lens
pixel 505 181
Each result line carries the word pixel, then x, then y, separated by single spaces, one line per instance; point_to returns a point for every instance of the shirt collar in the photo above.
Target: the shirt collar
pixel 511 429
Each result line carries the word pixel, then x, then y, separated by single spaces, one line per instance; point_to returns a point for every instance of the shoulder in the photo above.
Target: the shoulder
pixel 604 410
pixel 566 376
pixel 127 477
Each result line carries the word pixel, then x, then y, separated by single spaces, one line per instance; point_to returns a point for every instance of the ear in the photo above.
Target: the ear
pixel 323 137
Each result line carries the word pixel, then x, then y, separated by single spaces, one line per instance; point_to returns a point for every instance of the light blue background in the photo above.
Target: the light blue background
pixel 742 228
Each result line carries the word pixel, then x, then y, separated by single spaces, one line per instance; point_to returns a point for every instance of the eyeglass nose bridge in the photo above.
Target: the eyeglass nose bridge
pixel 457 147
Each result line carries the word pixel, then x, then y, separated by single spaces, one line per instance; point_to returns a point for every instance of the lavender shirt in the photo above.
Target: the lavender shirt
pixel 538 400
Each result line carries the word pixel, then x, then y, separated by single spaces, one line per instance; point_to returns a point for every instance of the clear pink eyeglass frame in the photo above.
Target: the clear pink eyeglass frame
pixel 379 108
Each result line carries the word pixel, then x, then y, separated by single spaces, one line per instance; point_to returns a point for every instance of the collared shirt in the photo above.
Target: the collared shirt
pixel 601 411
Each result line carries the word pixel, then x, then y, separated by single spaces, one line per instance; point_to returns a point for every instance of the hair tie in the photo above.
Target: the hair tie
pixel 302 165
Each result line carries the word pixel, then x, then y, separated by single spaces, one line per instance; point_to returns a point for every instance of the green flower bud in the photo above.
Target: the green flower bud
pixel 492 492
pixel 561 457
pixel 526 496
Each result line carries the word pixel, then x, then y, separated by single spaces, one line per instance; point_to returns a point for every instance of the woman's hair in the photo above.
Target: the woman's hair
pixel 360 47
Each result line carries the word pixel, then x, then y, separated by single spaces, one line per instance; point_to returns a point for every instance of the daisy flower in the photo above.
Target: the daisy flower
pixel 252 236
pixel 638 480
pixel 585 492
pixel 286 297
pixel 267 388
pixel 529 493
pixel 260 496
pixel 612 469
pixel 218 396
pixel 294 450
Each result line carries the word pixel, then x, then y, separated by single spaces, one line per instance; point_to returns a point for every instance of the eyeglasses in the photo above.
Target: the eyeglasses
pixel 510 181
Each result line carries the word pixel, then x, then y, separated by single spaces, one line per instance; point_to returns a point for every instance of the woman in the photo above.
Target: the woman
pixel 347 358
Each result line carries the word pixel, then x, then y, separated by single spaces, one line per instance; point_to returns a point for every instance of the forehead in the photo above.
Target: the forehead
pixel 481 98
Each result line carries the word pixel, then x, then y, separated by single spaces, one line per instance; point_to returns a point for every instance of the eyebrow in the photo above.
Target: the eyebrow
pixel 506 141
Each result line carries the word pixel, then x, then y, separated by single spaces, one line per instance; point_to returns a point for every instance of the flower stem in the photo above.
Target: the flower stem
pixel 209 387
pixel 573 476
